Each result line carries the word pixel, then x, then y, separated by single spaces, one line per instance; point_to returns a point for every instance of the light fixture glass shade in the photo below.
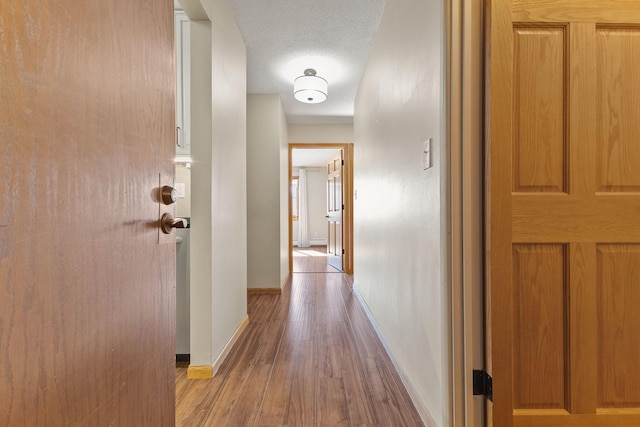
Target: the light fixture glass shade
pixel 310 88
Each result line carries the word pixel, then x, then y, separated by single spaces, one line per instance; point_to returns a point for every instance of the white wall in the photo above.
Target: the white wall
pixel 218 176
pixel 318 134
pixel 284 199
pixel 400 220
pixel 201 335
pixel 267 252
pixel 229 190
pixel 317 197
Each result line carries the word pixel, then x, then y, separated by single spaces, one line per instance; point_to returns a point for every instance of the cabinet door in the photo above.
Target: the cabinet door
pixel 183 75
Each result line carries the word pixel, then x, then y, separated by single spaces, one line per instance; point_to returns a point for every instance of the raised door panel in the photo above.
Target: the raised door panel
pixel 539 114
pixel 618 276
pixel 618 112
pixel 539 312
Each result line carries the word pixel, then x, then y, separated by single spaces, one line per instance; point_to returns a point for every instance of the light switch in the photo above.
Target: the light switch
pixel 426 154
pixel 180 190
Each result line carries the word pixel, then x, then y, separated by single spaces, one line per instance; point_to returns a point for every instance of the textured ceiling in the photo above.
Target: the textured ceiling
pixel 284 37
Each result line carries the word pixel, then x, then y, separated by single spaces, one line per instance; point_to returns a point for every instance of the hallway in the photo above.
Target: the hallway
pixel 307 357
pixel 311 260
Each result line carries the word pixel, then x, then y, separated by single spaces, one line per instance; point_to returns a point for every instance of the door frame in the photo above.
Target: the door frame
pixel 347 195
pixel 465 197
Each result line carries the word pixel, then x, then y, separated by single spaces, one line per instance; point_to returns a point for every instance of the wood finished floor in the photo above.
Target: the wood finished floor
pixel 311 260
pixel 308 357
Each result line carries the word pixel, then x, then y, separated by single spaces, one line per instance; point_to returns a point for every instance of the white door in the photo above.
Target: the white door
pixel 335 207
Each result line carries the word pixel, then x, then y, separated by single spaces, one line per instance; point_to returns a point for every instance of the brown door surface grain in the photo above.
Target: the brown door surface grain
pixel 87 295
pixel 563 208
pixel 334 212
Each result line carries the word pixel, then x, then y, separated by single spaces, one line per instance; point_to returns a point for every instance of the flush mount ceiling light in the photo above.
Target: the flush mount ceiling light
pixel 310 89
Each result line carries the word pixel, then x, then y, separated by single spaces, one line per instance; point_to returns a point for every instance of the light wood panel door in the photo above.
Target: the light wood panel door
pixel 563 199
pixel 335 208
pixel 87 293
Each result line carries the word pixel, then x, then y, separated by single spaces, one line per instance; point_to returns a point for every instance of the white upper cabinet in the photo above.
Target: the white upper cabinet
pixel 183 75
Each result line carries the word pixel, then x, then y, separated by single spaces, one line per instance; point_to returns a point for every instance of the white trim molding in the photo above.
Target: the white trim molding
pixel 227 348
pixel 314 242
pixel 413 394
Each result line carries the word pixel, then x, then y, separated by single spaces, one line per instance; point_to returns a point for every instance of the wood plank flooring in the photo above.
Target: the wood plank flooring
pixel 312 260
pixel 308 357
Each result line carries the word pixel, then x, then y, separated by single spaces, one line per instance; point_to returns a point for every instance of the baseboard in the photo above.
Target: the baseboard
pixel 183 357
pixel 264 291
pixel 313 242
pixel 199 372
pixel 227 348
pixel 413 394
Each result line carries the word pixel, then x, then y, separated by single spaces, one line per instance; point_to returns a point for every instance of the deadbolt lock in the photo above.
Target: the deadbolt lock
pixel 169 195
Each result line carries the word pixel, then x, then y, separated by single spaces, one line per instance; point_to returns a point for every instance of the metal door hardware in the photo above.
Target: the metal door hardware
pixel 167 222
pixel 169 195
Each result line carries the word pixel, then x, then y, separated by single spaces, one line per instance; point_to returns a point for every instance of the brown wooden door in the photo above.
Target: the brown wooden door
pixel 564 212
pixel 335 207
pixel 87 293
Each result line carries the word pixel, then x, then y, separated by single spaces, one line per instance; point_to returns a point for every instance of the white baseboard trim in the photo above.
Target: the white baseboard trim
pixel 227 348
pixel 313 242
pixel 413 394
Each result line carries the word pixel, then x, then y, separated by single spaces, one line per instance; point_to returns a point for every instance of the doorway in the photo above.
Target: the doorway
pixel 311 249
pixel 182 182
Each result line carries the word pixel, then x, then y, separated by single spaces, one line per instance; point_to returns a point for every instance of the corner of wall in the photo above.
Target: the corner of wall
pixel 221 303
pixel 284 197
pixel 267 181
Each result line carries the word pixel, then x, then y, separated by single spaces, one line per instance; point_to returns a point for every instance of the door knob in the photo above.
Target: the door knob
pixel 167 222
